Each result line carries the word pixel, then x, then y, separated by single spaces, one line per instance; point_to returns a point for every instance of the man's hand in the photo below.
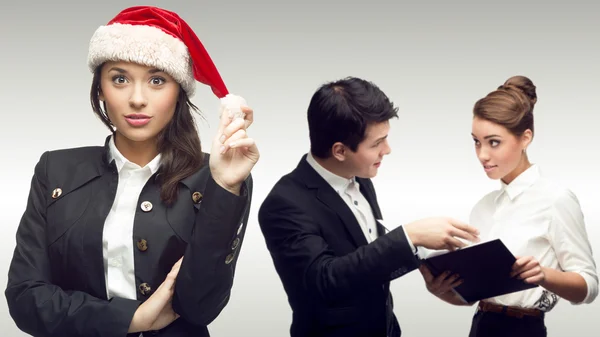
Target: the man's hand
pixel 440 233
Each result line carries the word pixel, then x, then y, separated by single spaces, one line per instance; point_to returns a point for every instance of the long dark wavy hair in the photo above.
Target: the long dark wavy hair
pixel 178 143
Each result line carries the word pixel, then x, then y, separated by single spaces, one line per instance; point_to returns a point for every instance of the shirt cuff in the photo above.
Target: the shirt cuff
pixel 592 288
pixel 412 246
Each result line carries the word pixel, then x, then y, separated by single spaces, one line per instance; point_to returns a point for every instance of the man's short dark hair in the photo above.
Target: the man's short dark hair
pixel 340 111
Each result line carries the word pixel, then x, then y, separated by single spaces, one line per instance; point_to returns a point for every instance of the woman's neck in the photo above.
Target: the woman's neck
pixel 140 153
pixel 524 164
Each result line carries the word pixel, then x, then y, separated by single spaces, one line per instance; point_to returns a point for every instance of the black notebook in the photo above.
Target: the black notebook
pixel 484 268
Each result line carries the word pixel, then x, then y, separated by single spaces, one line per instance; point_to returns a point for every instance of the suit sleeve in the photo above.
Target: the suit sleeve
pixel 41 308
pixel 300 252
pixel 203 285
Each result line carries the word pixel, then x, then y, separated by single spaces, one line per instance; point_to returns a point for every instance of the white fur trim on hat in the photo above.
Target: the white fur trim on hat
pixel 144 45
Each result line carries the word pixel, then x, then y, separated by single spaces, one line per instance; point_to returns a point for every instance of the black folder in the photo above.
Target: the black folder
pixel 484 268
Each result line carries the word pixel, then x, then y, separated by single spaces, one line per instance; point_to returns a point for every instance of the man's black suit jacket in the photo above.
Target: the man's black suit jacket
pixel 337 284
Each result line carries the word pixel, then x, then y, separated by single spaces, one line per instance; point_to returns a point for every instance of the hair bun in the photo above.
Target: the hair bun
pixel 522 84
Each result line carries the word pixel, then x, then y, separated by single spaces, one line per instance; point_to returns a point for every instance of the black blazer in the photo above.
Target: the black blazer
pixel 336 283
pixel 56 284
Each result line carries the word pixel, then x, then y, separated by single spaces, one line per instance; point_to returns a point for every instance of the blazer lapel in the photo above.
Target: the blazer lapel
pixel 366 188
pixel 328 196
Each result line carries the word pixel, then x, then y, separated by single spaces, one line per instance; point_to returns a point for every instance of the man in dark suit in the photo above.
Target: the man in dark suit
pixel 320 221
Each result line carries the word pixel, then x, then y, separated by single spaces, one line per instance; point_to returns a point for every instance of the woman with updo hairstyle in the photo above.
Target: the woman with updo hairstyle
pixel 538 220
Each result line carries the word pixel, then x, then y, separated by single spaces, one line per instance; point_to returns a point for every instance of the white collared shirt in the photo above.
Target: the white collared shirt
pixel 117 238
pixel 535 217
pixel 356 201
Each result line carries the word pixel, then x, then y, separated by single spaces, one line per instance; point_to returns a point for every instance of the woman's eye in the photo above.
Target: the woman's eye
pixel 158 80
pixel 119 79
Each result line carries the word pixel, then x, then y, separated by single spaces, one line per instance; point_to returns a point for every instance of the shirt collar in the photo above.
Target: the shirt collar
pixel 521 182
pixel 338 183
pixel 121 161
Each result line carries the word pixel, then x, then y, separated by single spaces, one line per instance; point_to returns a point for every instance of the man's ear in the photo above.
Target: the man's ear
pixel 339 151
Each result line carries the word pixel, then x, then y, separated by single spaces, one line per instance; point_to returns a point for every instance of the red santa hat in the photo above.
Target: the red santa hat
pixel 158 38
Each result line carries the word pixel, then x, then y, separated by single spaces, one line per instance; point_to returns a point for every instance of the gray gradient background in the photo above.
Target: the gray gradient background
pixel 432 58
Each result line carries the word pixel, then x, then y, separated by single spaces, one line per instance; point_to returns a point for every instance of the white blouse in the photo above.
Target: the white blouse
pixel 535 217
pixel 117 240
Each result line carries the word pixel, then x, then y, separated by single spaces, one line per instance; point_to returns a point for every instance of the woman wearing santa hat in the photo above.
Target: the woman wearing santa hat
pixel 142 235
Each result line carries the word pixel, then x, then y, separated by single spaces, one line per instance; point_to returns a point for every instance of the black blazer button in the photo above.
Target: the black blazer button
pixel 56 193
pixel 146 206
pixel 197 197
pixel 145 289
pixel 235 243
pixel 142 245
